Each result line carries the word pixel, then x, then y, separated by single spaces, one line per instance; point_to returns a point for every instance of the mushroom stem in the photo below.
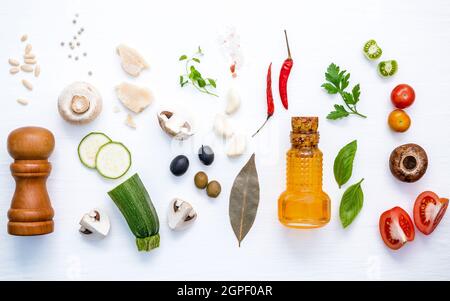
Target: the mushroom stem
pixel 80 104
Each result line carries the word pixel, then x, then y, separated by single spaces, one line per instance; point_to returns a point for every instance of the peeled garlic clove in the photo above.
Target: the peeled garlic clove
pixel 181 215
pixel 223 126
pixel 133 97
pixel 237 145
pixel 175 125
pixel 132 62
pixel 233 99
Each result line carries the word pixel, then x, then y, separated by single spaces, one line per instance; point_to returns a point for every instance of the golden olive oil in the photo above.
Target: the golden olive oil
pixel 304 204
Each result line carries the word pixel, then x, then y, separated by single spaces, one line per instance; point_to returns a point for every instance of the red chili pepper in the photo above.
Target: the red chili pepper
pixel 284 75
pixel 269 97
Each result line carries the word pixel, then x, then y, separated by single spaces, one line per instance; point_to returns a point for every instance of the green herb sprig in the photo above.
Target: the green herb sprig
pixel 193 76
pixel 337 82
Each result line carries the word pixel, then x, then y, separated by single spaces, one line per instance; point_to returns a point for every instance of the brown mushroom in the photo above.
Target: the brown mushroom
pixel 408 162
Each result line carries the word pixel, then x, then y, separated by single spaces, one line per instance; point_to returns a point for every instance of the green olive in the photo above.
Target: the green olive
pixel 213 189
pixel 201 180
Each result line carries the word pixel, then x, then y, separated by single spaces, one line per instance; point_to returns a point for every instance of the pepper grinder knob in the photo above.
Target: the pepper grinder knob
pixel 31 212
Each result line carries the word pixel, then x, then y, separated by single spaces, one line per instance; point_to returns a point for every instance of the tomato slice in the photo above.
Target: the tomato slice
pixel 396 228
pixel 428 211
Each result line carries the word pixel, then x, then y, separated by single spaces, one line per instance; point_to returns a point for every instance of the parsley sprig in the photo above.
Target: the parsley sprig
pixel 193 76
pixel 337 82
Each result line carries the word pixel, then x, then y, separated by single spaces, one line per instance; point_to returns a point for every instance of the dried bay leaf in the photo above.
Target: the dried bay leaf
pixel 244 200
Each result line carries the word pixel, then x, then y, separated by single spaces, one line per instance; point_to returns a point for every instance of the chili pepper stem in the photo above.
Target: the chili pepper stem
pixel 287 44
pixel 268 117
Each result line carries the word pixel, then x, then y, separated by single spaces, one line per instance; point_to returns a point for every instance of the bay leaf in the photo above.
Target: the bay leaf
pixel 244 200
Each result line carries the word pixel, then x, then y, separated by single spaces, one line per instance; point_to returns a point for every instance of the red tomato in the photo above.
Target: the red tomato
pixel 396 228
pixel 428 211
pixel 403 96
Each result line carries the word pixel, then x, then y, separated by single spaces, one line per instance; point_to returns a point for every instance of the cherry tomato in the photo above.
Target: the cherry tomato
pixel 428 211
pixel 403 96
pixel 396 228
pixel 399 121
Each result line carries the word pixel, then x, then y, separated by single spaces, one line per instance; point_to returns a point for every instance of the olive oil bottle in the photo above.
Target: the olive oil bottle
pixel 304 204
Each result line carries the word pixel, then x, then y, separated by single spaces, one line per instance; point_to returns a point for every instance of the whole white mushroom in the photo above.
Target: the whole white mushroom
pixel 79 103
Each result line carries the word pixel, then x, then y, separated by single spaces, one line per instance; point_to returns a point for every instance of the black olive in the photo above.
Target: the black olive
pixel 206 155
pixel 179 165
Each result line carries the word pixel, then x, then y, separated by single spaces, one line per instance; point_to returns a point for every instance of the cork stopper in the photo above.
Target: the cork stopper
pixel 304 124
pixel 304 131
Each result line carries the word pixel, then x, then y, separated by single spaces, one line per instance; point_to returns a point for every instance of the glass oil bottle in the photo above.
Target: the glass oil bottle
pixel 304 204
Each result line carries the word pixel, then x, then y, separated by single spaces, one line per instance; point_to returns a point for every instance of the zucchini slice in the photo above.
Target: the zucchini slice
pixel 113 160
pixel 89 146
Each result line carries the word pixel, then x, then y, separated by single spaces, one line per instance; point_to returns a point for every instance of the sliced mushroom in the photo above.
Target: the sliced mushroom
pixel 95 222
pixel 175 125
pixel 408 162
pixel 236 145
pixel 132 62
pixel 79 103
pixel 233 99
pixel 223 126
pixel 181 215
pixel 133 97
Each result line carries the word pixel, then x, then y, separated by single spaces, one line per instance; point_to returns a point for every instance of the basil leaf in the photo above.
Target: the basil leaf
pixel 343 164
pixel 351 204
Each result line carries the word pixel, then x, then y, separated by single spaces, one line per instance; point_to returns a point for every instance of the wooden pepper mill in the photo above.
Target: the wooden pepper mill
pixel 31 212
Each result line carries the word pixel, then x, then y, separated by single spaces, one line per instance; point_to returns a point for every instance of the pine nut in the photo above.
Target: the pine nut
pixel 22 101
pixel 28 48
pixel 14 62
pixel 27 68
pixel 30 61
pixel 27 84
pixel 29 56
pixel 37 71
pixel 14 70
pixel 24 38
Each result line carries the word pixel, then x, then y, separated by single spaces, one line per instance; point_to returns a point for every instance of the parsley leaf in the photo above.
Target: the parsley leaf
pixel 338 113
pixel 337 82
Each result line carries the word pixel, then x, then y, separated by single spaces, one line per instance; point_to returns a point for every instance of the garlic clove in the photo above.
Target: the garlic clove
pixel 233 99
pixel 223 126
pixel 237 145
pixel 132 62
pixel 181 215
pixel 95 222
pixel 135 98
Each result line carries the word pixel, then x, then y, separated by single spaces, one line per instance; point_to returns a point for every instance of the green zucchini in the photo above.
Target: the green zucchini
pixel 133 201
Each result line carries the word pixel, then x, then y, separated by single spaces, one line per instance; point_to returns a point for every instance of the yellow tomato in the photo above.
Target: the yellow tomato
pixel 399 121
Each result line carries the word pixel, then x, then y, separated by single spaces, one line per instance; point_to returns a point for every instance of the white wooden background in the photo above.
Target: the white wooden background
pixel 416 33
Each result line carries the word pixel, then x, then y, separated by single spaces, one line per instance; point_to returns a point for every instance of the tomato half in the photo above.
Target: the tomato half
pixel 428 211
pixel 396 228
pixel 402 96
